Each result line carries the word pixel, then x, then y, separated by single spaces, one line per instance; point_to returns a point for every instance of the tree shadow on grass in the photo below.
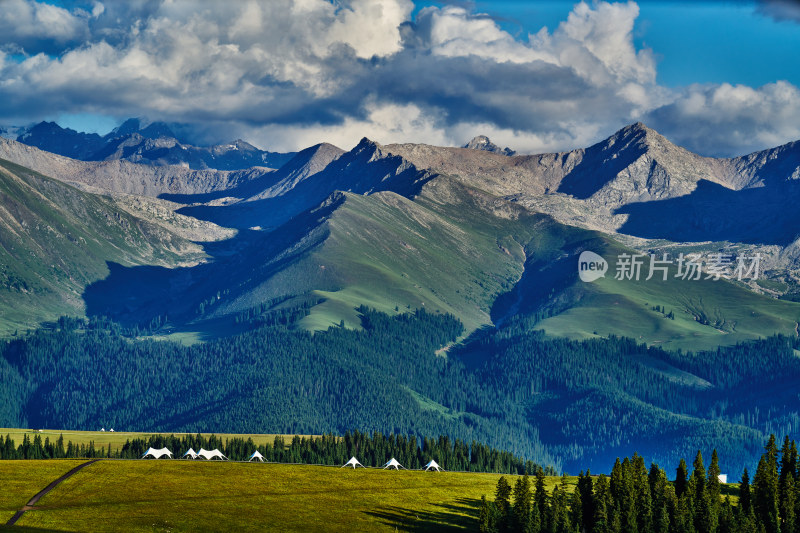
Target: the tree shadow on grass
pixel 459 516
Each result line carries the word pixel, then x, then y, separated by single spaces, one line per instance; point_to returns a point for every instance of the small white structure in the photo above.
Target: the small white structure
pixel 157 454
pixel 111 430
pixel 392 463
pixel 723 478
pixel 190 454
pixel 353 462
pixel 102 429
pixel 256 457
pixel 433 466
pixel 212 454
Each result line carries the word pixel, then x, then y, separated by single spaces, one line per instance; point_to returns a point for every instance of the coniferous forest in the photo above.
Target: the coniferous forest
pixel 371 450
pixel 634 498
pixel 568 404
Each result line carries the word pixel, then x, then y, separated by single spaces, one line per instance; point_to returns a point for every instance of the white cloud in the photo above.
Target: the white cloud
pixel 371 27
pixel 605 31
pixel 23 21
pixel 731 119
pixel 383 123
pixel 299 72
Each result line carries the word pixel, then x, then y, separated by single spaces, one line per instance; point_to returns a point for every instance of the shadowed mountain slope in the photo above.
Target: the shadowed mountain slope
pixel 55 240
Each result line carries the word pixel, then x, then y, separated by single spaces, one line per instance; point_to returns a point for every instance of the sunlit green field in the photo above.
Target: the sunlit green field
pixel 117 438
pixel 174 495
pixel 21 480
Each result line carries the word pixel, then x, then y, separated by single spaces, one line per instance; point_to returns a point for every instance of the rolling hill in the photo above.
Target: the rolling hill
pixel 55 240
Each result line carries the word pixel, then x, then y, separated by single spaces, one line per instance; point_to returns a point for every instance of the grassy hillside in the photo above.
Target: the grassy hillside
pixel 21 482
pixel 116 439
pixel 394 254
pixel 461 251
pixel 672 313
pixel 202 496
pixel 55 240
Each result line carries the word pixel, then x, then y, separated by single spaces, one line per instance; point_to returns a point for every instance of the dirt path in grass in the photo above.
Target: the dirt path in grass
pixel 30 505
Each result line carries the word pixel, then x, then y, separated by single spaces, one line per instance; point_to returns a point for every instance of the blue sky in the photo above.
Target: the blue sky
pixel 695 41
pixel 720 78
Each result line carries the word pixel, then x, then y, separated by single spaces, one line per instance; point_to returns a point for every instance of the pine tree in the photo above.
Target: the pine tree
pixel 726 519
pixel 560 517
pixel 60 453
pixel 714 491
pixel 765 489
pixel 745 495
pixel 603 507
pixel 522 504
pixel 643 500
pixel 576 506
pixel 681 475
pixel 540 502
pixel 788 505
pixel 701 504
pixel 586 489
pixel 486 524
pixel 502 499
pixel 787 486
pixel 663 496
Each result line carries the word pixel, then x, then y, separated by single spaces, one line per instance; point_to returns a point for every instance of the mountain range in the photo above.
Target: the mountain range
pixel 152 143
pixel 435 208
pixel 477 233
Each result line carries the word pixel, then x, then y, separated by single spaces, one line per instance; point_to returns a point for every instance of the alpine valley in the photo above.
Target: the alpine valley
pixel 153 285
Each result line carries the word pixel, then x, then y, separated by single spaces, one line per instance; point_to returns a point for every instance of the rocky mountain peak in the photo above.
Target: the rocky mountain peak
pixel 482 142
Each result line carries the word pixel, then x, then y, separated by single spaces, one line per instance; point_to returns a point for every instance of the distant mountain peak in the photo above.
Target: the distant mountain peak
pixel 482 142
pixel 365 142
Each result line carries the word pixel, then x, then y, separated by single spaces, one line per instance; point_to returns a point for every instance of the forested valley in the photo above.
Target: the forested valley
pixel 568 404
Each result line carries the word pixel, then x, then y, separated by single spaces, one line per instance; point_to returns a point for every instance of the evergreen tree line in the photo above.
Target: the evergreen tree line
pixel 635 499
pixel 570 404
pixel 371 450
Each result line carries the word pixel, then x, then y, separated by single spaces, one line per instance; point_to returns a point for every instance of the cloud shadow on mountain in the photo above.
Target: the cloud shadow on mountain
pixel 715 213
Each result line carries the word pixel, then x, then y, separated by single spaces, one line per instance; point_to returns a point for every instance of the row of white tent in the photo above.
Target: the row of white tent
pixel 191 454
pixel 216 454
pixel 392 463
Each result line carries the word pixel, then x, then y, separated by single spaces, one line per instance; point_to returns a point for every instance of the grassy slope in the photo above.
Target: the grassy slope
pixel 456 250
pixel 117 438
pixel 55 240
pixel 21 481
pixel 395 254
pixel 624 307
pixel 201 496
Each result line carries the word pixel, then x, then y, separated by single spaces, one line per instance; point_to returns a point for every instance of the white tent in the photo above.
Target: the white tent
pixel 392 463
pixel 723 478
pixel 157 454
pixel 256 456
pixel 215 453
pixel 433 466
pixel 353 462
pixel 191 454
